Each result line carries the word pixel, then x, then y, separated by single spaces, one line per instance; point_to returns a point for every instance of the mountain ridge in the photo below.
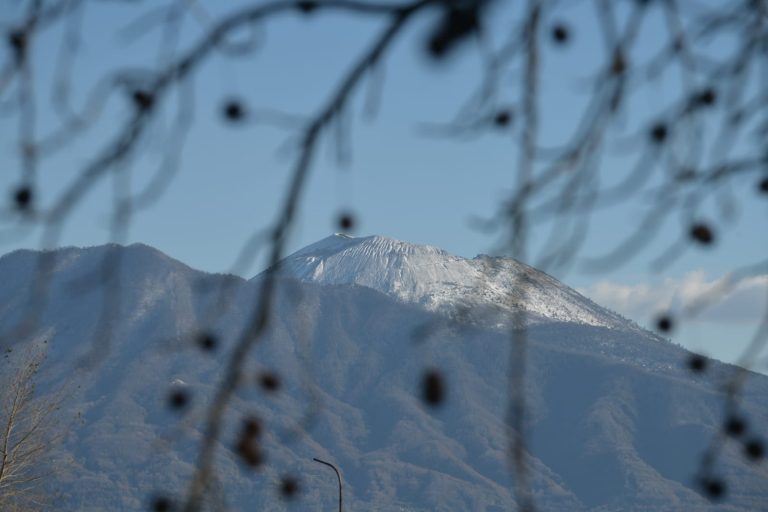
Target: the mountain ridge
pixel 616 421
pixel 439 281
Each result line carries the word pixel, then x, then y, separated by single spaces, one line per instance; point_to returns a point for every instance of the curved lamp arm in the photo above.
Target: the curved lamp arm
pixel 338 475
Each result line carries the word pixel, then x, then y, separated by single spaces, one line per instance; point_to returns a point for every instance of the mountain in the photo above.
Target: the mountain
pixel 616 420
pixel 432 278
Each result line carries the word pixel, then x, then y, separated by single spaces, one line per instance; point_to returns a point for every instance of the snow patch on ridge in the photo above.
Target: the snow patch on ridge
pixel 442 282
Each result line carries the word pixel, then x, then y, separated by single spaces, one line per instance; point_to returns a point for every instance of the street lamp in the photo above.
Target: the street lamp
pixel 337 476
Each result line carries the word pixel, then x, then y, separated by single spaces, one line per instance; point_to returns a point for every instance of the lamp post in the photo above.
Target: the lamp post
pixel 338 475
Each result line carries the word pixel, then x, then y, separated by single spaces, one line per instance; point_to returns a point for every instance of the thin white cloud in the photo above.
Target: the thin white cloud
pixel 725 299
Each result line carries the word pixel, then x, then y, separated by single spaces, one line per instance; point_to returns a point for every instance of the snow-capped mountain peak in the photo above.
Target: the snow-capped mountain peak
pixel 429 276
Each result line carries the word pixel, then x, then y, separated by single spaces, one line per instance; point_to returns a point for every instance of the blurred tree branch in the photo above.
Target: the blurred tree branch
pixel 685 154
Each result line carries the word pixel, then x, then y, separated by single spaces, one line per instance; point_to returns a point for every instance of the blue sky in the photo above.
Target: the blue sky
pixel 399 180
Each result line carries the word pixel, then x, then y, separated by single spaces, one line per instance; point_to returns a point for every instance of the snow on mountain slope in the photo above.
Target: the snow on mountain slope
pixel 445 283
pixel 617 422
